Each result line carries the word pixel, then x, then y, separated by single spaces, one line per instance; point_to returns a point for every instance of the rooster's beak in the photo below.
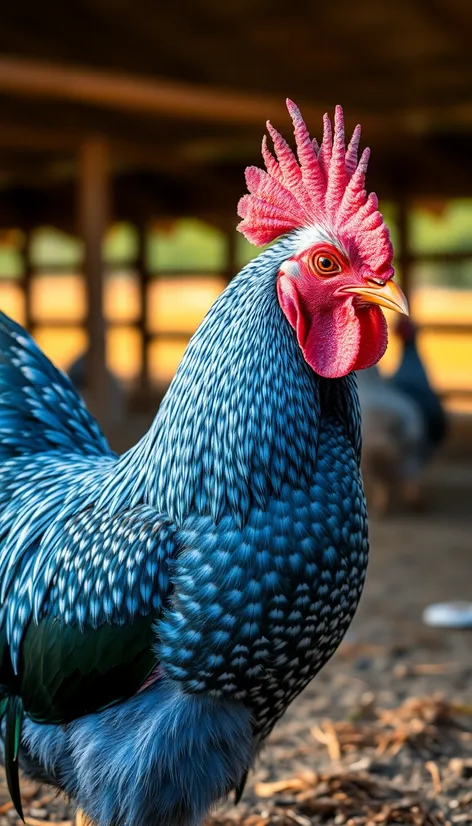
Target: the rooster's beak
pixel 385 295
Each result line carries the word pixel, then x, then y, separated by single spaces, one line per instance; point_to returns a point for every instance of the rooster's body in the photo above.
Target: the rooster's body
pixel 161 609
pixel 412 380
pixel 394 441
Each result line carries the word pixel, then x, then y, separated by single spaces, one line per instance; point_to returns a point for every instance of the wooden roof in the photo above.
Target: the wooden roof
pixel 182 91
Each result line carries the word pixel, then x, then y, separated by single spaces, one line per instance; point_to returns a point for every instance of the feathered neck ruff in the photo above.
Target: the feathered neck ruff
pixel 240 418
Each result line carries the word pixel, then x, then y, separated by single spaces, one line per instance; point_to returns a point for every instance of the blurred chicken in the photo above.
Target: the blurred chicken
pixel 394 442
pixel 116 396
pixel 411 379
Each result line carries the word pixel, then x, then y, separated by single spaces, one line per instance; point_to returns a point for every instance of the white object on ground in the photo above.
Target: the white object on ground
pixel 448 615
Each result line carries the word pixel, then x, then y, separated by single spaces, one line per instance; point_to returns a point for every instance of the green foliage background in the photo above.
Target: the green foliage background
pixel 189 244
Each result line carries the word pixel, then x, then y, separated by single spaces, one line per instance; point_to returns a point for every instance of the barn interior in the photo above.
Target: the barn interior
pixel 125 129
pixel 124 133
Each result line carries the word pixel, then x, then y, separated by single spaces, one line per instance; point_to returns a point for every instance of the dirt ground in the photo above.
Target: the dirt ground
pixel 413 765
pixel 384 734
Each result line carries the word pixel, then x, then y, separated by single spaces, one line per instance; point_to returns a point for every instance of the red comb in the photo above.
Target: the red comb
pixel 320 186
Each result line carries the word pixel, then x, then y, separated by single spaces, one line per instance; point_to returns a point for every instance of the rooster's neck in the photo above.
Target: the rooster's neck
pixel 240 418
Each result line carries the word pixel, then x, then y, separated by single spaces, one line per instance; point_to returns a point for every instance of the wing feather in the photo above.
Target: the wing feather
pixel 80 616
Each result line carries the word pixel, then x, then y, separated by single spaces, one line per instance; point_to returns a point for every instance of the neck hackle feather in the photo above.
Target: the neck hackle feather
pixel 322 186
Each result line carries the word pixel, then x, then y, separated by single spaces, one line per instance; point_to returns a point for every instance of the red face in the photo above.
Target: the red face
pixel 334 307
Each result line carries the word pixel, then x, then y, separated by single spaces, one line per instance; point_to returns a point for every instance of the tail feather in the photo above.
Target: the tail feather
pixel 12 708
pixel 39 408
pixel 46 432
pixel 161 757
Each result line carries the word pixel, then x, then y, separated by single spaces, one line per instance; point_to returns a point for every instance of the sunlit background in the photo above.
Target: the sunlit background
pixel 125 130
pixel 123 144
pixel 187 262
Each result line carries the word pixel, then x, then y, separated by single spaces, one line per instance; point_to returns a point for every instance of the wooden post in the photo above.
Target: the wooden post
pixel 143 273
pixel 232 268
pixel 94 216
pixel 405 259
pixel 26 278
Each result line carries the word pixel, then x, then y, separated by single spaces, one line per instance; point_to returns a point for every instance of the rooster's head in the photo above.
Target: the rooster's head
pixel 340 275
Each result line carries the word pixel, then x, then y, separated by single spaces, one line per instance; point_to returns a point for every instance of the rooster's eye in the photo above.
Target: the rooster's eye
pixel 325 264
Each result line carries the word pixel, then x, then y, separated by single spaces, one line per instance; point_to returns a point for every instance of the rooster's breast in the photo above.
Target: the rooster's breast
pixel 257 611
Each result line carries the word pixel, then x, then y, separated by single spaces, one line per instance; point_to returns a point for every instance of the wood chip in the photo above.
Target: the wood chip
pixel 34 821
pixel 5 807
pixel 301 820
pixel 290 784
pixel 435 775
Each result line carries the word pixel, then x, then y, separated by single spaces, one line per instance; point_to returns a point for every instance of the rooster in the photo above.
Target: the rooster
pixel 412 379
pixel 161 609
pixel 394 439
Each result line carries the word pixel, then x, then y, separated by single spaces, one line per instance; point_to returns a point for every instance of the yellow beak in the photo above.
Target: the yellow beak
pixel 385 295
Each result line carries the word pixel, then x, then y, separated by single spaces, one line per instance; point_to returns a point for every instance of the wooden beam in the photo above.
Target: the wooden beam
pixel 143 274
pixel 94 218
pixel 448 21
pixel 26 278
pixel 232 268
pixel 451 257
pixel 460 328
pixel 404 258
pixel 27 137
pixel 154 96
pixel 150 96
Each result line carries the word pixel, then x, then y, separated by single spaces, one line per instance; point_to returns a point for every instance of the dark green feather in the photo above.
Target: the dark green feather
pixel 7 675
pixel 66 672
pixel 239 790
pixel 14 719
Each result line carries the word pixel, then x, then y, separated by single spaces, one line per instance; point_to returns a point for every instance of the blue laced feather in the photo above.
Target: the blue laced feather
pixel 244 498
pixel 162 757
pixel 101 568
pixel 52 540
pixel 39 408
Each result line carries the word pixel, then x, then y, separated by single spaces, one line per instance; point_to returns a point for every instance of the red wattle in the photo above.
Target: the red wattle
pixel 337 338
pixel 332 340
pixel 374 336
